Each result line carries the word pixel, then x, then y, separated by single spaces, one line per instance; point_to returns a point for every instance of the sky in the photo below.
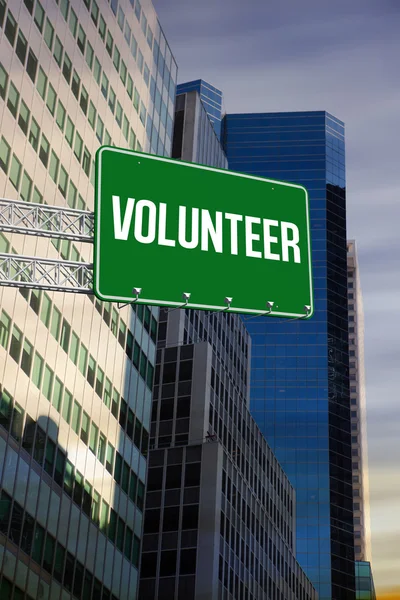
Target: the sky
pixel 342 57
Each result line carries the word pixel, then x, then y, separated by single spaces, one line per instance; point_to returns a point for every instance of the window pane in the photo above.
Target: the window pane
pixel 85 428
pixel 94 433
pixel 16 344
pixel 44 150
pixel 49 34
pixel 47 382
pixel 21 47
pixel 5 324
pixel 67 406
pixel 57 394
pixel 3 81
pixel 34 134
pixel 51 99
pixel 54 166
pixel 4 155
pixel 15 171
pixel 31 66
pixel 26 187
pixel 37 370
pixel 76 417
pixel 39 16
pixel 55 323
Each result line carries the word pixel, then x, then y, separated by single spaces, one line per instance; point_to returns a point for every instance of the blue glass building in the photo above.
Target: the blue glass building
pixel 300 376
pixel 211 98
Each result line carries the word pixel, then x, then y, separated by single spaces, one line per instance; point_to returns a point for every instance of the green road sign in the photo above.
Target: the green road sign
pixel 184 233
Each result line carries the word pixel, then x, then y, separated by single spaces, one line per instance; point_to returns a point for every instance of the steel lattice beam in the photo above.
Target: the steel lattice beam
pixel 46 221
pixel 46 274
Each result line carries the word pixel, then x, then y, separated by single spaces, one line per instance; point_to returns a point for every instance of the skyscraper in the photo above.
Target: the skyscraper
pixel 219 514
pixel 300 394
pixel 211 98
pixel 75 373
pixel 359 451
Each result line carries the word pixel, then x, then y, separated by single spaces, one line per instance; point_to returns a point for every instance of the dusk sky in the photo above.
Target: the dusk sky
pixel 342 57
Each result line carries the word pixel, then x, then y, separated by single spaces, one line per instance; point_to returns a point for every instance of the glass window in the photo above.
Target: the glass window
pixel 107 393
pixel 72 193
pixel 104 517
pixel 104 85
pixel 65 335
pixel 16 344
pixel 99 130
pixel 34 134
pixel 125 477
pixel 10 28
pixel 3 81
pixel 73 22
pixel 133 486
pixel 78 146
pixel 38 543
pixel 86 162
pixel 13 100
pixel 120 534
pixel 49 34
pixel 89 55
pixel 94 434
pixel 5 324
pixel 99 382
pixel 27 357
pixel 74 348
pixel 47 387
pixel 37 196
pixel 54 166
pixel 51 99
pixel 118 467
pixel 21 47
pixel 92 115
pixel 109 43
pixel 121 18
pixel 102 28
pixel 57 394
pixel 69 131
pixel 95 12
pixel 78 488
pixel 49 457
pixel 85 428
pixel 140 61
pixel 58 51
pixel 91 370
pixel 110 458
pixel 39 16
pixel 15 172
pixel 67 67
pixel 5 409
pixel 96 507
pixel 136 100
pixel 31 65
pixel 37 370
pixel 101 451
pixel 55 323
pixel 118 114
pixel 97 70
pixel 138 9
pixel 142 115
pixel 64 7
pixel 75 85
pixel 67 406
pixel 44 150
pixel 69 478
pixel 83 103
pixel 83 357
pixel 111 100
pixel 115 403
pixel 125 129
pixel 107 138
pixel 60 118
pixel 63 181
pixel 23 119
pixel 4 155
pixel 123 72
pixel 29 5
pixel 146 74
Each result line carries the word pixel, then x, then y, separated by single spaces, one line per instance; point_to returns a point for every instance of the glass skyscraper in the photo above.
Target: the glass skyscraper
pixel 300 370
pixel 211 98
pixel 75 373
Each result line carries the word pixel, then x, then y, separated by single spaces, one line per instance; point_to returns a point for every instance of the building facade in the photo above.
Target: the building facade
pixel 219 516
pixel 220 512
pixel 75 373
pixel 211 98
pixel 359 450
pixel 365 589
pixel 194 140
pixel 300 395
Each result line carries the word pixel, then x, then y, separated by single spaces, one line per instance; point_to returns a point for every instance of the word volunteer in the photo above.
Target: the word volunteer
pixel 152 227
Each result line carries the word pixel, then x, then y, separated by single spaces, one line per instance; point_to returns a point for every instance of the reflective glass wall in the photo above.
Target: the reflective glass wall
pixel 300 386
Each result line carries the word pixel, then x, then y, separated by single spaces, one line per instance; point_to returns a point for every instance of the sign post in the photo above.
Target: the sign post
pixel 171 233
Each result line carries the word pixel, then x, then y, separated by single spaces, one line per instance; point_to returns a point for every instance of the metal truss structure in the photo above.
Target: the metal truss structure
pixel 46 274
pixel 46 221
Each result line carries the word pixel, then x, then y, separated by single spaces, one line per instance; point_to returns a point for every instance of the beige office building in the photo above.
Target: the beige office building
pixel 75 374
